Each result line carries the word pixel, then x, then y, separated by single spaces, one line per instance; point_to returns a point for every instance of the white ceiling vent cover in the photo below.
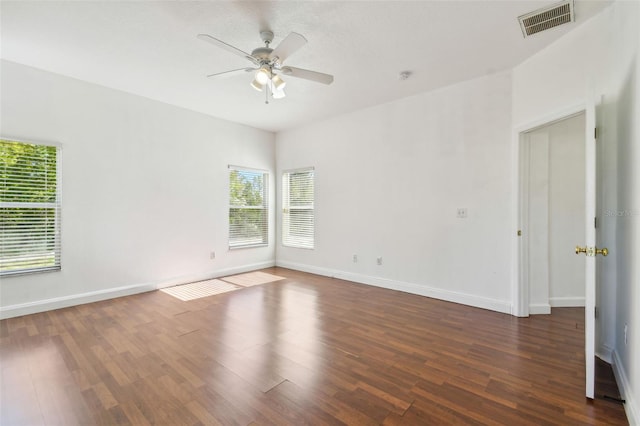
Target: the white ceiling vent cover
pixel 549 17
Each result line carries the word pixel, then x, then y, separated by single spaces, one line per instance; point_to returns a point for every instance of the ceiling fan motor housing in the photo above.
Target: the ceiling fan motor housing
pixel 262 53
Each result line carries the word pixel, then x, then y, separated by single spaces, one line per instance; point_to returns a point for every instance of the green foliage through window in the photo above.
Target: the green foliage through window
pixel 29 207
pixel 248 213
pixel 298 215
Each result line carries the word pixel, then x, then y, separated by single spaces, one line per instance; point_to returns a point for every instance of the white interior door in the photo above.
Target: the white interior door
pixel 590 249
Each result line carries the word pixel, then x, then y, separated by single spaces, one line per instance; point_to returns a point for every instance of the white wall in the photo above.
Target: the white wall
pixel 536 232
pixel 566 211
pixel 145 189
pixel 389 180
pixel 556 206
pixel 601 58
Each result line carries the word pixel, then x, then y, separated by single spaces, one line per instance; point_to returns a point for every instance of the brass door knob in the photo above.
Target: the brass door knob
pixel 592 251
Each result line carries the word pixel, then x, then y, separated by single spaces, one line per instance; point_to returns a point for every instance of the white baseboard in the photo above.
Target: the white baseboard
pixel 604 352
pixel 28 308
pixel 419 289
pixel 555 302
pixel 37 306
pixel 566 302
pixel 539 309
pixel 631 405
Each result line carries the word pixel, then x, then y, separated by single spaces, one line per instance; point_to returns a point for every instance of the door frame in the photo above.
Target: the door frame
pixel 520 294
pixel 520 283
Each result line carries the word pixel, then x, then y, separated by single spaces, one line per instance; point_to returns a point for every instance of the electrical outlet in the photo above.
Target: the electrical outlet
pixel 355 258
pixel 212 255
pixel 379 261
pixel 625 335
pixel 461 213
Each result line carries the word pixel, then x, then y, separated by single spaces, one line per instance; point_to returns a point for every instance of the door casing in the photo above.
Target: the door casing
pixel 520 286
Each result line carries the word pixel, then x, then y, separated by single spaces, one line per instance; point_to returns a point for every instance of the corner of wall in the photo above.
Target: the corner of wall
pixel 502 306
pixel 631 407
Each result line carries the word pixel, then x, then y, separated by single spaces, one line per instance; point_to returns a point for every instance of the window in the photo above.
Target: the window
pixel 248 213
pixel 29 207
pixel 297 208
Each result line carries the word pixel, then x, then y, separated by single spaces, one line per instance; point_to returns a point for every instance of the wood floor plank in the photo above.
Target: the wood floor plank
pixel 298 403
pixel 302 350
pixel 202 414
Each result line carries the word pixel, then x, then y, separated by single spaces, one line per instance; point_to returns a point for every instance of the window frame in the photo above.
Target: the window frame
pixel 263 207
pixel 287 240
pixel 56 205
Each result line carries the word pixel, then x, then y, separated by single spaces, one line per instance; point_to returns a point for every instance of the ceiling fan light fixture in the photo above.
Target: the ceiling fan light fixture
pixel 278 94
pixel 256 85
pixel 263 75
pixel 278 82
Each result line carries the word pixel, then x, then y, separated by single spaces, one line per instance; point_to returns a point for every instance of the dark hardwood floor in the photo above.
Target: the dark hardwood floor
pixel 305 350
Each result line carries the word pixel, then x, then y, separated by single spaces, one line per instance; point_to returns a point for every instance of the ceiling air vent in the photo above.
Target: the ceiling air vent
pixel 549 17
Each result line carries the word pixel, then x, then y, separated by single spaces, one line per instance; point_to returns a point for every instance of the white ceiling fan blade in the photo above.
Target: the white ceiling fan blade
pixel 231 72
pixel 229 48
pixel 289 45
pixel 308 75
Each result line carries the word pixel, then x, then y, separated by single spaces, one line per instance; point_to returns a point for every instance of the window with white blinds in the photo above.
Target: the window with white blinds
pixel 29 207
pixel 298 208
pixel 248 212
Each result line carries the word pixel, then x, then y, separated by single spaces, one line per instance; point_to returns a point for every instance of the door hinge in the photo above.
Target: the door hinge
pixel 595 222
pixel 595 312
pixel 595 133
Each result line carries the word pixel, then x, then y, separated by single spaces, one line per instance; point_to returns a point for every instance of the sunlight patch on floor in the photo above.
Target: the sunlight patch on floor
pixel 252 278
pixel 199 289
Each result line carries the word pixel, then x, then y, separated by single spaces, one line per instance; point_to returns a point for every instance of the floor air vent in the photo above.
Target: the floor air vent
pixel 549 17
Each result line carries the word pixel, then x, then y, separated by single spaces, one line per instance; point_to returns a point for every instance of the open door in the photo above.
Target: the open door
pixel 588 246
pixel 590 249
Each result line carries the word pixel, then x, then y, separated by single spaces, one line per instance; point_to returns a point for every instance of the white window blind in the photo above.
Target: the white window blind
pixel 248 212
pixel 29 207
pixel 298 208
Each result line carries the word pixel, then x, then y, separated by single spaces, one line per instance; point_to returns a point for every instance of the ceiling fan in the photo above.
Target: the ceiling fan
pixel 268 63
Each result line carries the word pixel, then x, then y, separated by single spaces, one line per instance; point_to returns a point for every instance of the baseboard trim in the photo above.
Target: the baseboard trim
pixel 566 302
pixel 21 309
pixel 35 307
pixel 539 309
pixel 422 290
pixel 630 406
pixel 604 352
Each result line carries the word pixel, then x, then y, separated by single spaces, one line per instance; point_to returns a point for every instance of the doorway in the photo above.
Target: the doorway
pixel 552 206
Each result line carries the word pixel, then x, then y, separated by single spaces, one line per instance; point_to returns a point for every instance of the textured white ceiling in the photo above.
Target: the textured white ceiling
pixel 150 48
